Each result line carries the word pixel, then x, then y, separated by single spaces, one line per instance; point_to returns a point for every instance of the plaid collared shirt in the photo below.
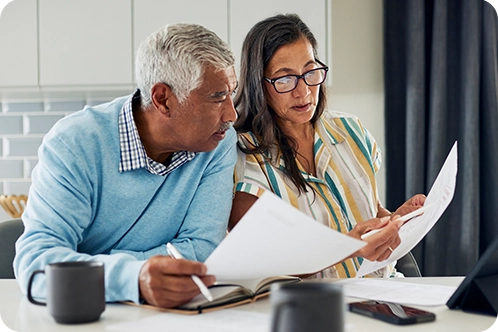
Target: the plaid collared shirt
pixel 133 155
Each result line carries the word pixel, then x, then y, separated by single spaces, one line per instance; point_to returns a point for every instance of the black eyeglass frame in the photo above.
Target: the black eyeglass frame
pixel 303 76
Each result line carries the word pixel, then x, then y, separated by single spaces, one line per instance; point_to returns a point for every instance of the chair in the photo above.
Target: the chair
pixel 408 266
pixel 10 230
pixel 14 205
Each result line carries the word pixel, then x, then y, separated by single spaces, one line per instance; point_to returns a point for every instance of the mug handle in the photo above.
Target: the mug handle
pixel 276 316
pixel 30 283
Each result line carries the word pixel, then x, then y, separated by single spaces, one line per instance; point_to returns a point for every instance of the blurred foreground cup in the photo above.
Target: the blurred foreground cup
pixel 307 306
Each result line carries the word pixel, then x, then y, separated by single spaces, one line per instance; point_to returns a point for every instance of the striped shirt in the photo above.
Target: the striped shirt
pixel 345 189
pixel 133 155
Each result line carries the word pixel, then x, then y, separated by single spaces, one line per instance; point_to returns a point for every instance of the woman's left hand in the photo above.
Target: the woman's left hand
pixel 414 203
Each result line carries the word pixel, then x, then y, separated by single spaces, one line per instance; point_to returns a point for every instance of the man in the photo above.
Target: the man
pixel 118 181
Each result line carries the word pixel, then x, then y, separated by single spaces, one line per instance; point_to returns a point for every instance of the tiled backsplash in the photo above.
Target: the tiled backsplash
pixel 22 127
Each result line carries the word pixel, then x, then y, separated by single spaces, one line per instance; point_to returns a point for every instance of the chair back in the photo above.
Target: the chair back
pixel 13 204
pixel 408 266
pixel 10 230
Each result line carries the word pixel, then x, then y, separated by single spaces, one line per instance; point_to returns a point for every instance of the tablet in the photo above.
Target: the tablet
pixel 478 293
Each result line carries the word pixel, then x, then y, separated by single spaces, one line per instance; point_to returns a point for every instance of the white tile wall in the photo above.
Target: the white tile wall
pixel 23 123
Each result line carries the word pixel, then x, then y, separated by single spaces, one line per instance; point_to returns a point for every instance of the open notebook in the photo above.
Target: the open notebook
pixel 272 239
pixel 228 294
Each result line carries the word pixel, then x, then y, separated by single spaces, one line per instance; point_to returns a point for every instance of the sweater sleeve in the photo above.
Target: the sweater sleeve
pixel 58 213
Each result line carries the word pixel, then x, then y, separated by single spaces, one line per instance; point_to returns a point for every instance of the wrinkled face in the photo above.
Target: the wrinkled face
pixel 202 120
pixel 297 106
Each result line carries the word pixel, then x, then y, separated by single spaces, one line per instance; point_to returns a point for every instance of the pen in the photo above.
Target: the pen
pixel 173 252
pixel 404 218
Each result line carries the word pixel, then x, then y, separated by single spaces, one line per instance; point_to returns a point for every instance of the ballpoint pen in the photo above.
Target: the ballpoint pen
pixel 173 252
pixel 403 219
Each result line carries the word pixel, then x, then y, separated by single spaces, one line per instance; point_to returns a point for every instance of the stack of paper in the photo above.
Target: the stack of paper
pixel 274 238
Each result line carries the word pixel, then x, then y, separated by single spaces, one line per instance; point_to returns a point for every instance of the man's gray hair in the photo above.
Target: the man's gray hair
pixel 177 55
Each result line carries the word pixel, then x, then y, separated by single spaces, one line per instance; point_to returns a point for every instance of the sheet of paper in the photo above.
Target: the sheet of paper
pixel 397 292
pixel 218 321
pixel 274 238
pixel 413 231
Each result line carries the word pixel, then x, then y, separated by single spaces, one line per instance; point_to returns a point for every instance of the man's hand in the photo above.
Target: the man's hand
pixel 166 282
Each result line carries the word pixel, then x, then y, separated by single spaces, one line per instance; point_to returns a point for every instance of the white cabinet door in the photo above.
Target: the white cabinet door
pixel 244 14
pixel 19 54
pixel 150 15
pixel 85 42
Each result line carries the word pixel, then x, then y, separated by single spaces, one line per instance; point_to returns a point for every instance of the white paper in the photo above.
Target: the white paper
pixel 397 292
pixel 274 238
pixel 413 231
pixel 219 321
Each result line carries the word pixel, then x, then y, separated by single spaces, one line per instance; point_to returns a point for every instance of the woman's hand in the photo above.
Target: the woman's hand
pixel 379 246
pixel 410 205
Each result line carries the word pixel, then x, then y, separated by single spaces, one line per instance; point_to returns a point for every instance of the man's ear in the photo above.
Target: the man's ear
pixel 161 95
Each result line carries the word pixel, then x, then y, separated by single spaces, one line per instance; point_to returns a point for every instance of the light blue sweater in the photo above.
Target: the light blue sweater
pixel 80 205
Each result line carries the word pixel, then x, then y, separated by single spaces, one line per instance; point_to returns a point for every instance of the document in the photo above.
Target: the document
pixel 274 238
pixel 413 231
pixel 389 290
pixel 271 241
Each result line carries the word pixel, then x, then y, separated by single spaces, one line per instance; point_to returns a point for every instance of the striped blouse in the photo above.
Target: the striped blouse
pixel 345 189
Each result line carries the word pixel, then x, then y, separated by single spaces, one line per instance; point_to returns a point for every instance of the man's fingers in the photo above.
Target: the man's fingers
pixel 171 266
pixel 208 280
pixel 167 282
pixel 172 292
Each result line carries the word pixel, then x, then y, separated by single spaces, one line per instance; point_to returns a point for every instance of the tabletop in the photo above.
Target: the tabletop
pixel 20 315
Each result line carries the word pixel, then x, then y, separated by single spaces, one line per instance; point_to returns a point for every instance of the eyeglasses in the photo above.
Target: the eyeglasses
pixel 288 83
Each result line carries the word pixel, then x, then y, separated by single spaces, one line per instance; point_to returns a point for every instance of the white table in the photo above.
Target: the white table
pixel 20 315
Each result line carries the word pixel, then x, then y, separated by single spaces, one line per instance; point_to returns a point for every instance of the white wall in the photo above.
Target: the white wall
pixel 357 84
pixel 356 87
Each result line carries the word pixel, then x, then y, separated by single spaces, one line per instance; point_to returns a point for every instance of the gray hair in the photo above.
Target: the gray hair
pixel 177 55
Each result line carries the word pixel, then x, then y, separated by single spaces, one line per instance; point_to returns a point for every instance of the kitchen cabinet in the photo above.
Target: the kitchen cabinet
pixel 18 37
pixel 315 13
pixel 81 45
pixel 85 43
pixel 150 15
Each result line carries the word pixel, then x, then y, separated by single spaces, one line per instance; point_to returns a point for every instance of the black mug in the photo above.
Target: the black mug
pixel 75 291
pixel 307 306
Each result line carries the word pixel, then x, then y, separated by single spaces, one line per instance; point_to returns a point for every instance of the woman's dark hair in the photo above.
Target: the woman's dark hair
pixel 260 44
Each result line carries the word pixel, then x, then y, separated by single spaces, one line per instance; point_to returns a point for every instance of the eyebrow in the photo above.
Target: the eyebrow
pixel 286 70
pixel 220 94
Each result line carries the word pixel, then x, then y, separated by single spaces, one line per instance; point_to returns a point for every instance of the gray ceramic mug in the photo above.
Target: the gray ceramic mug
pixel 307 306
pixel 75 291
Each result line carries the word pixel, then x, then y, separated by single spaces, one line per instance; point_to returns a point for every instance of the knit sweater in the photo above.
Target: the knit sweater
pixel 82 208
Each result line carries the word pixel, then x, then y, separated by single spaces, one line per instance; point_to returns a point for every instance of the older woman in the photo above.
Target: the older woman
pixel 323 163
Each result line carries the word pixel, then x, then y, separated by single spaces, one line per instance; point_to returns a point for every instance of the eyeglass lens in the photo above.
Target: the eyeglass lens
pixel 288 83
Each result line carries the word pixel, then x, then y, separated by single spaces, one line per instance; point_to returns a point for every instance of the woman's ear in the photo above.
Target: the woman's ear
pixel 161 95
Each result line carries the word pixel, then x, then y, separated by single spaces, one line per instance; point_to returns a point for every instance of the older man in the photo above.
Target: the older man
pixel 117 181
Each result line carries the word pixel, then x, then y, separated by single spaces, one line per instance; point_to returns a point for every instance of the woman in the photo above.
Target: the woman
pixel 323 163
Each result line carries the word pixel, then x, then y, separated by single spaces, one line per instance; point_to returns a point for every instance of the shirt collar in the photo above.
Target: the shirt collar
pixel 329 131
pixel 132 151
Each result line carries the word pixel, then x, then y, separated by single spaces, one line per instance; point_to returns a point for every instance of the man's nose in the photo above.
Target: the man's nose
pixel 230 114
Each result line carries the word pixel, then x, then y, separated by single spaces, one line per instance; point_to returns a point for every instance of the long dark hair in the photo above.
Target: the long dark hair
pixel 260 44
